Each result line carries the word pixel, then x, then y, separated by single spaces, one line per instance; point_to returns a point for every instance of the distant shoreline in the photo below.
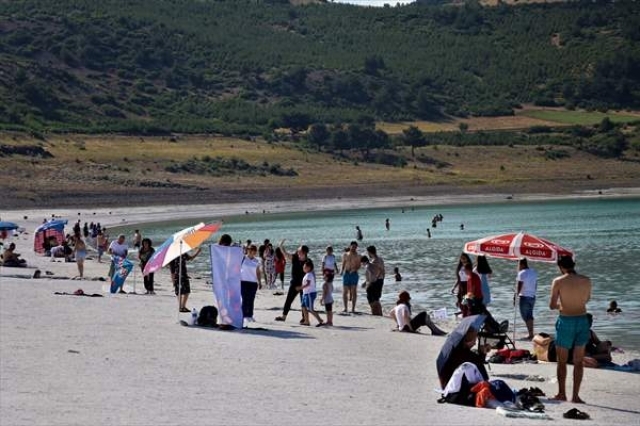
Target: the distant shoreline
pixel 338 194
pixel 119 215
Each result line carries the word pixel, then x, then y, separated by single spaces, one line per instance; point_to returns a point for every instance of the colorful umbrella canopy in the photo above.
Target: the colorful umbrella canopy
pixel 52 224
pixel 8 226
pixel 180 243
pixel 514 246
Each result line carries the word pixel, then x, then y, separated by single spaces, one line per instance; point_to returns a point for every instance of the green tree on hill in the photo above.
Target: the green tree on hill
pixel 414 138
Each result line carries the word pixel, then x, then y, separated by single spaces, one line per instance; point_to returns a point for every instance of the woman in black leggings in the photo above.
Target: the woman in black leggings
pixel 297 274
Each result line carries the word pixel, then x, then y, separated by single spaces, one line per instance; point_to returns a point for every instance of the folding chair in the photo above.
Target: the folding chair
pixel 495 334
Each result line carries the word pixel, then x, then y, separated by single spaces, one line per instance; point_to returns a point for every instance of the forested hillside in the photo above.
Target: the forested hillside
pixel 242 67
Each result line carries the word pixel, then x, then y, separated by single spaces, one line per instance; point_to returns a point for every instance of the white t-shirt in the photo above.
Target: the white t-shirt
pixel 462 274
pixel 118 249
pixel 401 313
pixel 529 279
pixel 329 262
pixel 248 270
pixel 311 288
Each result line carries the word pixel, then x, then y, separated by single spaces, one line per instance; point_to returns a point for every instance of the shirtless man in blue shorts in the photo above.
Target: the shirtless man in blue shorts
pixel 570 294
pixel 349 270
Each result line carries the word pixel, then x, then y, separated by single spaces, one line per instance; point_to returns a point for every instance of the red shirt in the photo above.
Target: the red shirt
pixel 474 285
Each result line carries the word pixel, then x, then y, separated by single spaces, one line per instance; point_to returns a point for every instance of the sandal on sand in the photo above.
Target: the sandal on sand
pixel 184 310
pixel 320 324
pixel 280 318
pixel 576 414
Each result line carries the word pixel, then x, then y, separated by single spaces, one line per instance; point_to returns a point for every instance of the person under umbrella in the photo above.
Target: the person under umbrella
pixel 4 227
pixel 457 349
pixel 181 283
pixel 174 251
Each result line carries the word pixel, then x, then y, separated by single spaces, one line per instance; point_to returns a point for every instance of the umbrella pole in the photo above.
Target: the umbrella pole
pixel 515 296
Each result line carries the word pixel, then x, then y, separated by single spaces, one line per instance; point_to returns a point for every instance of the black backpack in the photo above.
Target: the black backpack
pixel 208 316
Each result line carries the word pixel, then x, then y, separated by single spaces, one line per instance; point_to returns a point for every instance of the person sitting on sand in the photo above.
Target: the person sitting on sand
pixel 401 315
pixel 462 353
pixel 63 250
pixel 597 352
pixel 613 308
pixel 11 258
pixel 48 243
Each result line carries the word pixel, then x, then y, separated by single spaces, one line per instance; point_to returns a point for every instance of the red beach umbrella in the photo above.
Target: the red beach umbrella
pixel 514 246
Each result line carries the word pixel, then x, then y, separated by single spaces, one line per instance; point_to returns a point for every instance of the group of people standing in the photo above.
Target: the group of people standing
pixel 473 291
pixel 303 280
pixel 471 286
pixel 272 263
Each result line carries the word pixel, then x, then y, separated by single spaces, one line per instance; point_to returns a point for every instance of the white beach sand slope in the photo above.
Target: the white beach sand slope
pixel 124 360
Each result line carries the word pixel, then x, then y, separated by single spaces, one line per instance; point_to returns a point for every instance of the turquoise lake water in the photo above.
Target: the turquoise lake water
pixel 603 233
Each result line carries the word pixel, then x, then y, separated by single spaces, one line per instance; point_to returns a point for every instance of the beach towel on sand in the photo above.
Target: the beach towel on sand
pixel 78 292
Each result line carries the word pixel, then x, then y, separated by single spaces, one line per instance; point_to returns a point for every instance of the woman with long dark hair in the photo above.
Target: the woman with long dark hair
pixel 484 271
pixel 280 262
pixel 144 254
pixel 460 287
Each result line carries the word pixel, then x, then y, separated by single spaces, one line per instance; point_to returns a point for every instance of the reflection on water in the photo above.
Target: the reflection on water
pixel 604 234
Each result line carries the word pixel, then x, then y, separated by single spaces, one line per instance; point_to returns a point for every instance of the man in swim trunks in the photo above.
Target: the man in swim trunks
pixel 570 294
pixel 349 270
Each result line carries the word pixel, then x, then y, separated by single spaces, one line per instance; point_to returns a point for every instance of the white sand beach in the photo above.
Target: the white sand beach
pixel 124 359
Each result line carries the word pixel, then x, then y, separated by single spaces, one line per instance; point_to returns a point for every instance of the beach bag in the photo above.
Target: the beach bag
pixel 501 391
pixel 208 316
pixel 458 389
pixel 514 355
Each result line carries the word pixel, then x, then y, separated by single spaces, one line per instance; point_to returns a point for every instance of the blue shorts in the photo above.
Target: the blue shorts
pixel 526 307
pixel 308 299
pixel 350 279
pixel 572 331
